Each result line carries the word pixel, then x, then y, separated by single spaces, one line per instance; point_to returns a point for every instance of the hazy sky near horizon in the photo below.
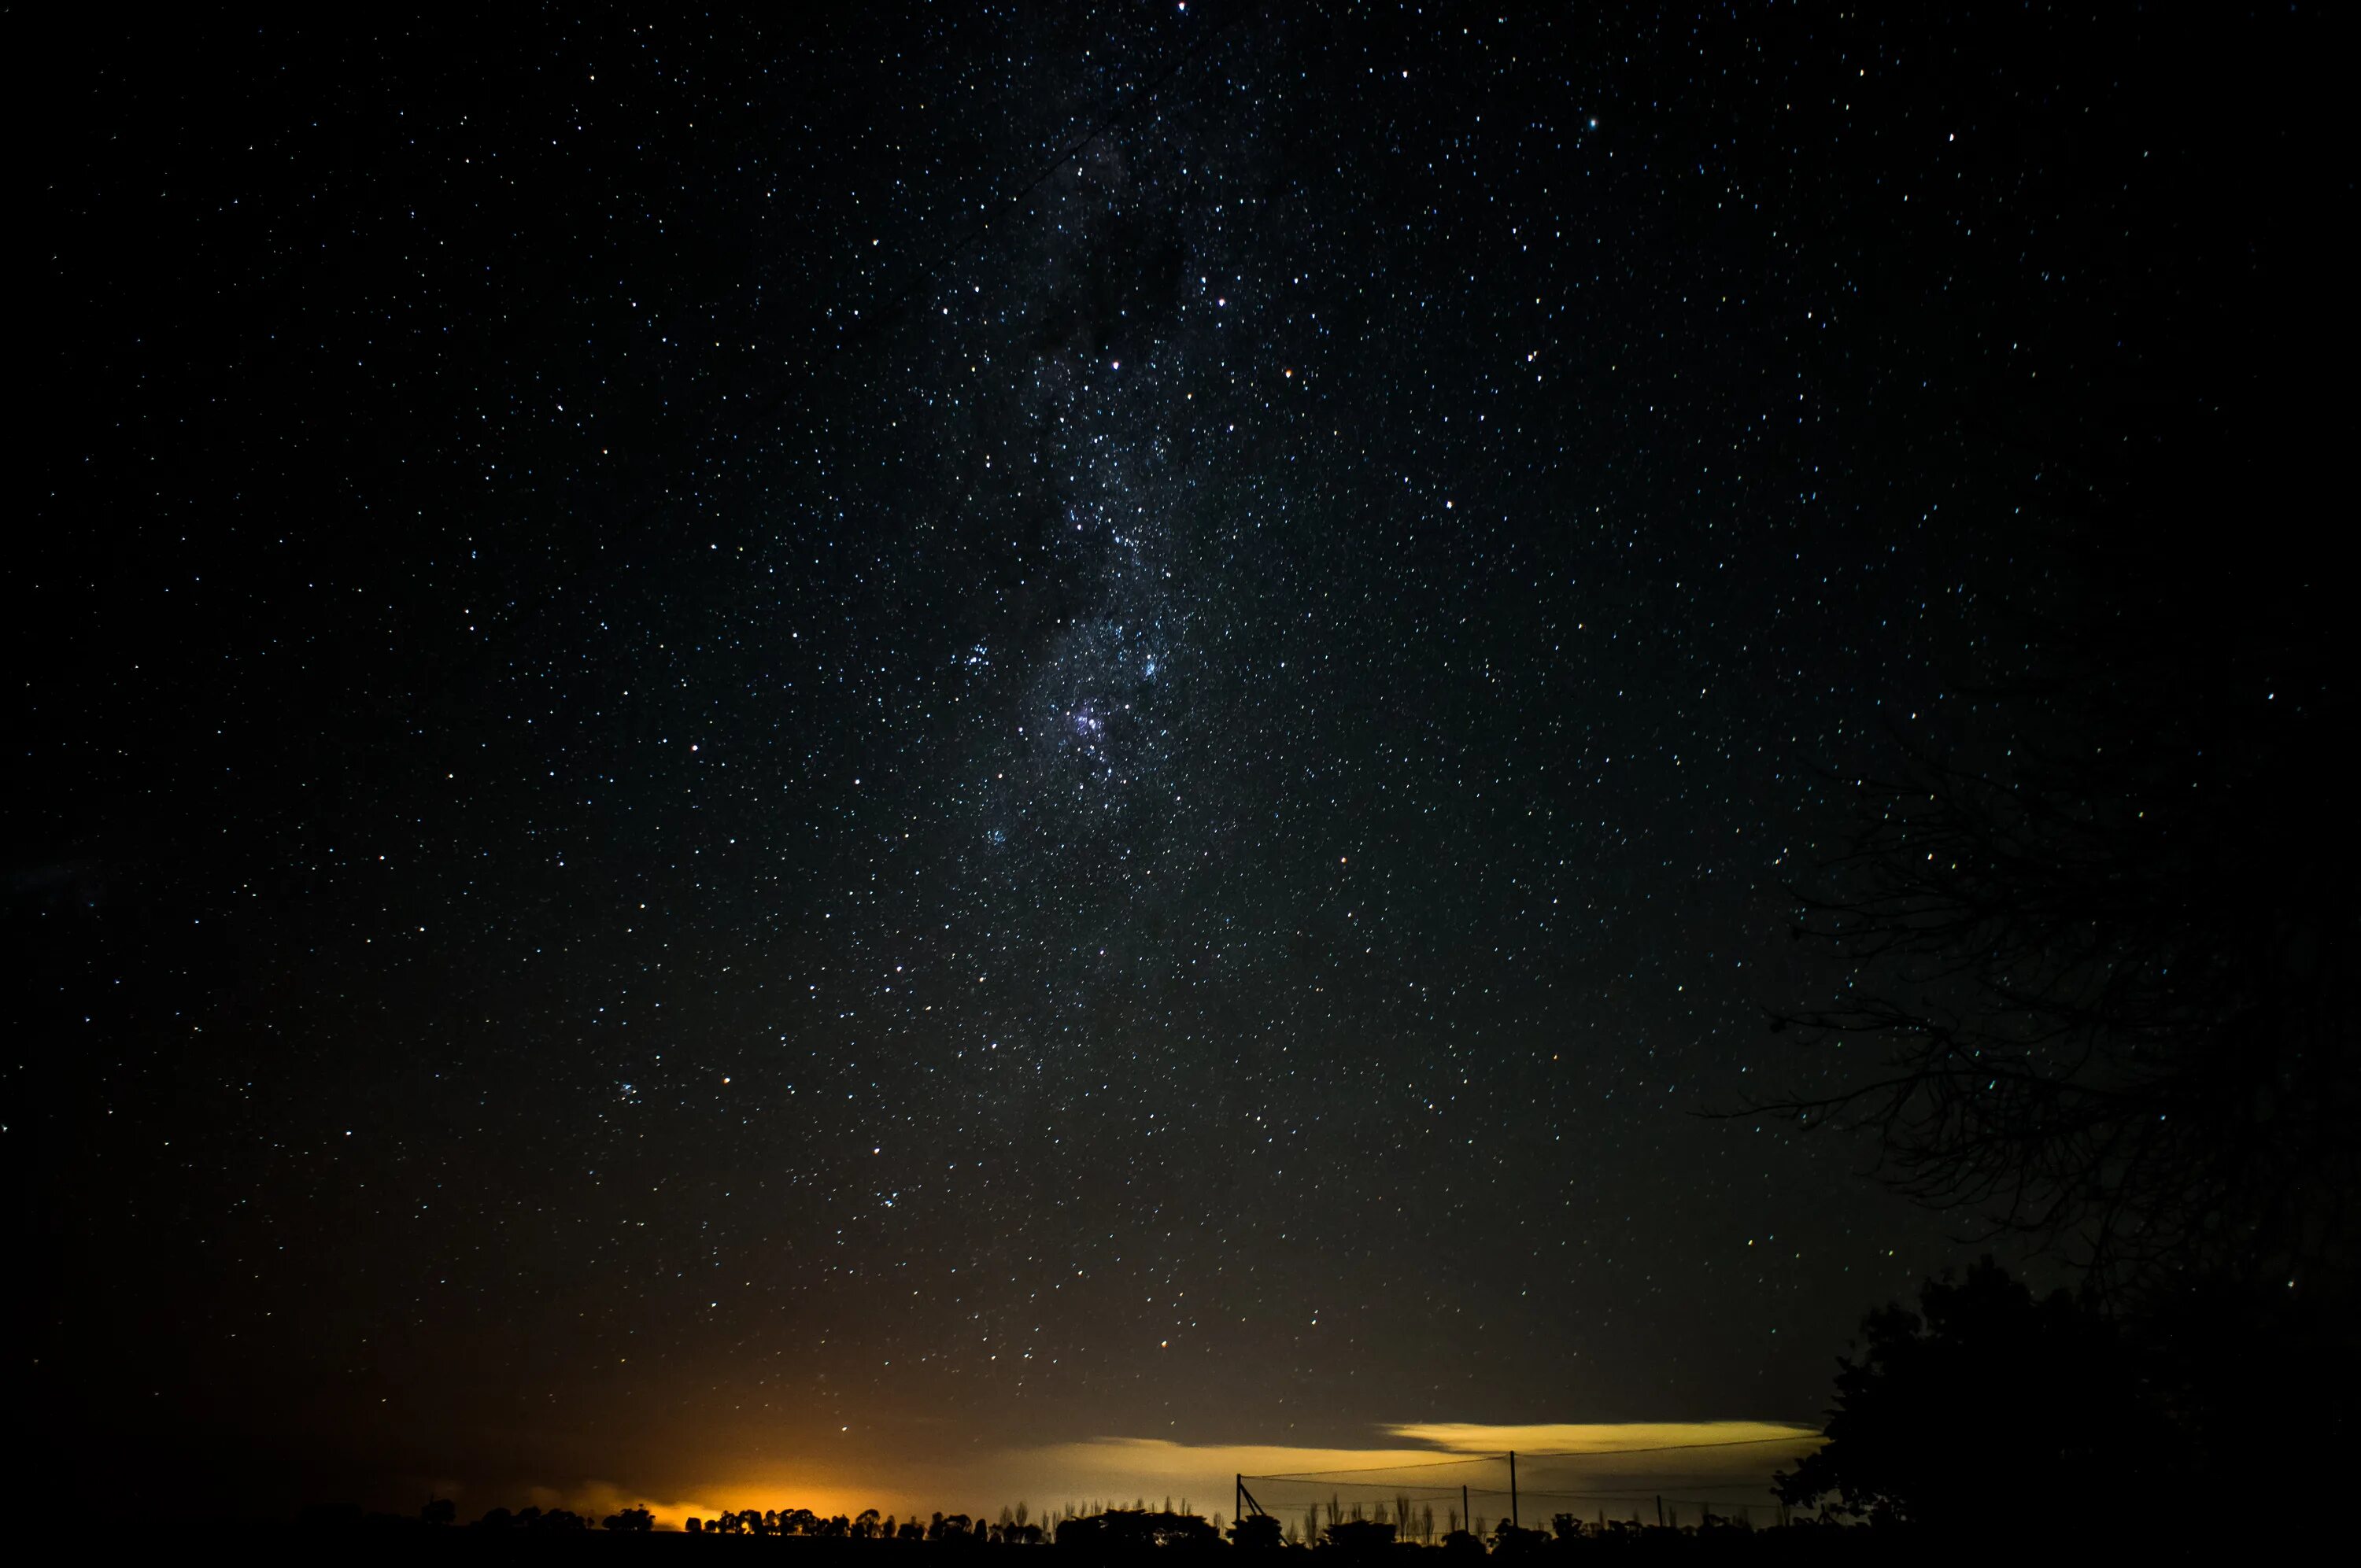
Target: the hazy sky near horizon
pixel 1561 1469
pixel 981 747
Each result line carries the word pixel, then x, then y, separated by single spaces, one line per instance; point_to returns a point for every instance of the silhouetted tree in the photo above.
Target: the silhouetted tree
pixel 1118 1533
pixel 1256 1532
pixel 2096 949
pixel 632 1518
pixel 439 1511
pixel 1985 1406
pixel 1514 1540
pixel 1361 1536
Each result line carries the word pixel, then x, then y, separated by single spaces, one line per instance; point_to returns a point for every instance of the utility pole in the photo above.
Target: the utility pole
pixel 1513 1522
pixel 1467 1519
pixel 1237 1497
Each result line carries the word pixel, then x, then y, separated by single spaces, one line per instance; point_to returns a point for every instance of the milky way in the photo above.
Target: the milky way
pixel 976 730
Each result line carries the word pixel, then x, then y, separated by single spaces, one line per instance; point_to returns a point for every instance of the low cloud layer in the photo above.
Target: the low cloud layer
pixel 1562 1467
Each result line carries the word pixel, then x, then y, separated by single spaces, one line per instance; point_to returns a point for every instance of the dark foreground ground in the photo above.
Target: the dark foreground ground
pixel 673 1549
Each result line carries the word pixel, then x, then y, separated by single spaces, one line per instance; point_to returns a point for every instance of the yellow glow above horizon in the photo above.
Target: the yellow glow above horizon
pixel 1115 1470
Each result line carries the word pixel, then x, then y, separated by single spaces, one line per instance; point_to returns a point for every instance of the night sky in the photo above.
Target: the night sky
pixel 782 755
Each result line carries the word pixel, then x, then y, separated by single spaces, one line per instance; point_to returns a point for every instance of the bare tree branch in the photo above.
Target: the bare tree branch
pixel 2104 969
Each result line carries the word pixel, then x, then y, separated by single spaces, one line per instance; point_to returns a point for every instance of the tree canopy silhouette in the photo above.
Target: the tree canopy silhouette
pixel 1119 1532
pixel 1257 1532
pixel 1985 1406
pixel 1361 1536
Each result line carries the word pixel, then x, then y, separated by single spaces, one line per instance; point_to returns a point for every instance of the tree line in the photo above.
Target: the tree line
pixel 1111 1533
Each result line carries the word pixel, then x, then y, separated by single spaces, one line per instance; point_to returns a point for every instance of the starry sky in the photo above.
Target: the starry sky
pixel 787 753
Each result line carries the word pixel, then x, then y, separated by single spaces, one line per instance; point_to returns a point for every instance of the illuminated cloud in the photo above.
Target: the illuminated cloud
pixel 1597 1437
pixel 1562 1466
pixel 1731 1459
